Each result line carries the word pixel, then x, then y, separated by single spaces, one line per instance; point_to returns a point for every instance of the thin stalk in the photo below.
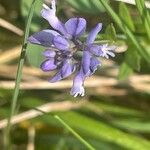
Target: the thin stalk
pixel 18 78
pixel 84 142
pixel 144 15
pixel 143 52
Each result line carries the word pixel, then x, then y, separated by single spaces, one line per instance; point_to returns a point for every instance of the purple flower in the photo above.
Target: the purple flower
pixel 78 88
pixel 90 61
pixel 66 53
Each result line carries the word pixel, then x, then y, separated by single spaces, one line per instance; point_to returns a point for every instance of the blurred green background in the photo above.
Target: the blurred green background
pixel 114 114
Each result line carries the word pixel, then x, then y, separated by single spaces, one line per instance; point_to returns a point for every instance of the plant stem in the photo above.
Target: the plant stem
pixel 88 146
pixel 84 142
pixel 142 51
pixel 145 16
pixel 18 78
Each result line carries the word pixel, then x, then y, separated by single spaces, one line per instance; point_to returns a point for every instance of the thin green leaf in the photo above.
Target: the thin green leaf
pixel 19 76
pixel 144 15
pixel 84 142
pixel 124 71
pixel 36 22
pixel 113 109
pixel 139 6
pixel 90 147
pixel 132 2
pixel 90 7
pixel 132 58
pixel 101 130
pixel 125 16
pixel 143 52
pixel 69 142
pixel 137 125
pixel 111 33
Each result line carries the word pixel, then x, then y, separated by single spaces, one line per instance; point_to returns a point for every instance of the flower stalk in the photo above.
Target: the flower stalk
pixel 7 143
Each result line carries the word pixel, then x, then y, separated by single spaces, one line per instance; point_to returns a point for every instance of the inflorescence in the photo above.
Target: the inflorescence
pixel 65 51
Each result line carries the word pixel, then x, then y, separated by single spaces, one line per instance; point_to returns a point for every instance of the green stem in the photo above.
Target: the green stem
pixel 18 78
pixel 143 52
pixel 145 16
pixel 88 146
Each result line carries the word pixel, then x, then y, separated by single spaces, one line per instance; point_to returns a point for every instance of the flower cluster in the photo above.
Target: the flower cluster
pixel 66 53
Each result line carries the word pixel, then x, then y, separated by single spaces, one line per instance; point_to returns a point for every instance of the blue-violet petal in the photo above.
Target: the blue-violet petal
pixel 49 53
pixel 50 15
pixel 78 81
pixel 86 62
pixel 43 38
pixel 92 35
pixel 60 42
pixel 48 65
pixel 76 26
pixel 94 64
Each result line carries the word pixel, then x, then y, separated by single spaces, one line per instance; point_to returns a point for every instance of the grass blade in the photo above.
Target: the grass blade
pixel 143 52
pixel 144 15
pixel 125 16
pixel 75 133
pixel 18 78
pixel 104 131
